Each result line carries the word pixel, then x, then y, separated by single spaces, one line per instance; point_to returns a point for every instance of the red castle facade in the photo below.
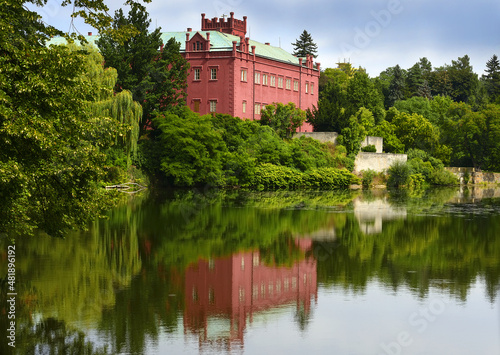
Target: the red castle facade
pixel 230 73
pixel 222 295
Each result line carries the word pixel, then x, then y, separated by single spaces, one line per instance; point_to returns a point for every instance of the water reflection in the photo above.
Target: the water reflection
pixel 205 272
pixel 222 294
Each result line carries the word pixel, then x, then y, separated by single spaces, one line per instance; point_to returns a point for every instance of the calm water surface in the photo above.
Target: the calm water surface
pixel 210 272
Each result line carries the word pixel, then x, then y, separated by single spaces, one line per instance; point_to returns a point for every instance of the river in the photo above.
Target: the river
pixel 211 272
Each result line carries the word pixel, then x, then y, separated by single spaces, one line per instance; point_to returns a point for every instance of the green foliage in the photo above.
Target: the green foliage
pixel 274 177
pixel 342 99
pixel 369 148
pixel 416 181
pixel 367 178
pixel 51 143
pixel 305 45
pixel 492 79
pixel 397 86
pixel 284 119
pixel 191 150
pixel 442 177
pixel 387 130
pixel 399 173
pixel 156 80
pixel 415 131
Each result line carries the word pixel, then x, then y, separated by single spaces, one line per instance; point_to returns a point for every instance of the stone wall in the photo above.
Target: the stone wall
pixel 377 161
pixel 378 142
pixel 324 137
pixel 475 177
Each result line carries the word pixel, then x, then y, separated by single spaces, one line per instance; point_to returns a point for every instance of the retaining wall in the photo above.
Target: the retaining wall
pixel 377 161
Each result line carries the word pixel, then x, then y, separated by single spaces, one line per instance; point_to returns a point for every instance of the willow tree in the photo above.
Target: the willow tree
pixel 121 106
pixel 51 141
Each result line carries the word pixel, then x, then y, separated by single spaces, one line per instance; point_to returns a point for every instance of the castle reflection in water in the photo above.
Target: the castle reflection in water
pixel 223 294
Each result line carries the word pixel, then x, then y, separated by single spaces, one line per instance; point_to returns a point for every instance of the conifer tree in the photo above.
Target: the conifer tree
pixel 156 78
pixel 305 45
pixel 397 86
pixel 492 78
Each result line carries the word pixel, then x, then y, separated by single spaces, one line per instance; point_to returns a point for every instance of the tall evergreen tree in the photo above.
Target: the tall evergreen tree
pixel 414 80
pixel 305 45
pixel 463 79
pixel 492 79
pixel 397 86
pixel 157 79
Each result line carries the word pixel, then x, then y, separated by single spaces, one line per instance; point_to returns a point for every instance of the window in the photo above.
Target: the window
pixel 312 88
pixel 273 80
pixel 280 83
pixel 213 74
pixel 257 109
pixel 288 84
pixel 307 88
pixel 243 75
pixel 197 106
pixel 264 79
pixel 197 72
pixel 296 85
pixel 257 78
pixel 244 106
pixel 213 106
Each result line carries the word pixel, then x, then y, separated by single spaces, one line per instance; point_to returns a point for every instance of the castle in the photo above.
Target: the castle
pixel 232 74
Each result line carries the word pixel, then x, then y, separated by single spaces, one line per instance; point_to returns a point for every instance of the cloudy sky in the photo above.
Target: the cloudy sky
pixel 373 34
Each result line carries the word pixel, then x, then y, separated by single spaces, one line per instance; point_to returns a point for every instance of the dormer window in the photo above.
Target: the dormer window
pixel 197 46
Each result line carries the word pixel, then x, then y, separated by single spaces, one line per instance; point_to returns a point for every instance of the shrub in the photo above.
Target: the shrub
pixel 369 149
pixel 443 177
pixel 368 176
pixel 416 180
pixel 399 172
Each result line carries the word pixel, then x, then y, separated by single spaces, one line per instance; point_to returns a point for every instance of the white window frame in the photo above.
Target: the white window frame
pixel 244 108
pixel 213 105
pixel 257 77
pixel 197 74
pixel 243 74
pixel 264 79
pixel 257 109
pixel 280 82
pixel 295 85
pixel 273 80
pixel 288 84
pixel 307 88
pixel 213 73
pixel 312 88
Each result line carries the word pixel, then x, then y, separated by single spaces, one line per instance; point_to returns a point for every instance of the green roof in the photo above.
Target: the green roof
pixel 219 41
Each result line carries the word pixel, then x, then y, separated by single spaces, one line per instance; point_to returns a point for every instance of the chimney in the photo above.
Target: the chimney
pixel 90 33
pixel 253 50
pixel 189 29
pixel 268 44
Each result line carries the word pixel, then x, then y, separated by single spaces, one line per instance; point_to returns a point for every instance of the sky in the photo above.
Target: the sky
pixel 372 34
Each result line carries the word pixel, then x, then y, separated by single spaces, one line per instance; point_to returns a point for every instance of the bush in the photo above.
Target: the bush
pixel 275 177
pixel 368 176
pixel 443 177
pixel 399 172
pixel 416 181
pixel 369 149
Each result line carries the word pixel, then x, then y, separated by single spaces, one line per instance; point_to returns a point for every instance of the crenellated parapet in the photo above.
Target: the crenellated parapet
pixel 230 26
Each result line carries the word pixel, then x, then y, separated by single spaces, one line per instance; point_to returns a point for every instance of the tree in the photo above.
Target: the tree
pixel 157 79
pixel 305 45
pixel 463 79
pixel 397 86
pixel 51 143
pixel 492 79
pixel 284 119
pixel 415 131
pixel 414 80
